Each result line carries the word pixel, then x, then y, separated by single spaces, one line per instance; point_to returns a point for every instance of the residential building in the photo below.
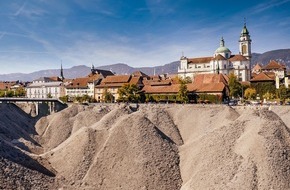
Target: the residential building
pixel 7 85
pixel 214 84
pixel 45 87
pixel 257 69
pixel 272 72
pixel 222 61
pixel 113 83
pixel 167 89
pixel 86 85
pixel 275 67
pixel 161 88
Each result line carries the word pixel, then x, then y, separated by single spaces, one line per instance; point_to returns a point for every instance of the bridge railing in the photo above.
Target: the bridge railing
pixel 13 99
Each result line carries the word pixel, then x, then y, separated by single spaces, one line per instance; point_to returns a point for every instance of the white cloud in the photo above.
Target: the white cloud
pixel 2 35
pixel 20 9
pixel 268 5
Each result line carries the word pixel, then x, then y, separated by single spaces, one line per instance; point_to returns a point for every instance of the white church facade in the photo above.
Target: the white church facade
pixel 223 61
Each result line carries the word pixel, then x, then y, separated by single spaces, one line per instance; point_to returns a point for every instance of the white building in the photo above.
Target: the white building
pixel 223 61
pixel 45 87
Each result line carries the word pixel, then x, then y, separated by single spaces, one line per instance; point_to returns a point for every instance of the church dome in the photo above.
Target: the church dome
pixel 222 50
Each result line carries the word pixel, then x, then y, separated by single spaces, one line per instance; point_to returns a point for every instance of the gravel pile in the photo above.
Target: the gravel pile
pixel 154 147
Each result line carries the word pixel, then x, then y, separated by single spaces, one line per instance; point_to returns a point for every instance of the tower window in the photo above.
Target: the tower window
pixel 244 49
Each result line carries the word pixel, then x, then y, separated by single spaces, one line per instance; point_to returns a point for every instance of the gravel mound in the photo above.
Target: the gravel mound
pixel 56 128
pixel 113 146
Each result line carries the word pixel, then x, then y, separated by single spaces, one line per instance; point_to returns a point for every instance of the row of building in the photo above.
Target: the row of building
pixel 99 81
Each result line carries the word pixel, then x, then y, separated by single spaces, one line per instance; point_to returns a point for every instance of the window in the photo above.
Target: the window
pixel 244 49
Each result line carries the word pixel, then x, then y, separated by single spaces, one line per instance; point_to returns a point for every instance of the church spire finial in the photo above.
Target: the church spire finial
pixel 245 21
pixel 222 42
pixel 61 71
pixel 93 69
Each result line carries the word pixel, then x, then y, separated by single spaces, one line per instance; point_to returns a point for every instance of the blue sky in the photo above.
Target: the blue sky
pixel 39 34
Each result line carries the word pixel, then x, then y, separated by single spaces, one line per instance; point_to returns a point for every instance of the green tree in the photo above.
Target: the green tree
pixel 77 99
pixel 268 96
pixel 283 93
pixel 107 96
pixel 129 93
pixel 2 93
pixel 182 92
pixel 49 95
pixel 20 92
pixel 264 87
pixel 188 80
pixel 234 86
pixel 64 98
pixel 9 93
pixel 86 98
pixel 250 93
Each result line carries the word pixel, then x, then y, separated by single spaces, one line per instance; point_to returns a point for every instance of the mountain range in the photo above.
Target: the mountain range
pixel 281 55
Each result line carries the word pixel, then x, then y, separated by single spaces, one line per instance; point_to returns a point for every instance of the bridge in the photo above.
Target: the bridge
pixel 14 99
pixel 43 106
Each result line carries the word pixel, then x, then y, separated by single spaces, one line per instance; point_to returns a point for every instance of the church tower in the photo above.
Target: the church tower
pixel 245 43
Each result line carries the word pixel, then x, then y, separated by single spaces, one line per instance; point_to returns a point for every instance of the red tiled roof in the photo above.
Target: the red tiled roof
pixel 199 60
pixel 116 79
pixel 79 83
pixel 110 85
pixel 4 86
pixel 262 77
pixel 139 74
pixel 208 83
pixel 257 67
pixel 202 83
pixel 206 87
pixel 209 78
pixel 272 75
pixel 219 57
pixel 174 88
pixel 238 57
pixel 273 65
pixel 135 80
pixel 159 83
pixel 226 77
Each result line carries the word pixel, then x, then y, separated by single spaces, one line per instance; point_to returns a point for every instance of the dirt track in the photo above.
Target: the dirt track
pixel 155 147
